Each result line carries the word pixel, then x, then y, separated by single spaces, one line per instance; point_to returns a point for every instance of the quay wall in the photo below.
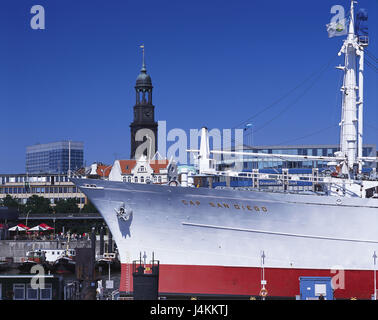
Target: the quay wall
pixel 17 249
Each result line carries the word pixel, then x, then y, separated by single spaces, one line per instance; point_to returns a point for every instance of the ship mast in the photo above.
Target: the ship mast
pixel 351 124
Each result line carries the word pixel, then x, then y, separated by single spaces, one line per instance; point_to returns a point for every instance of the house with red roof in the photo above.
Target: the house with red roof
pixel 100 170
pixel 143 171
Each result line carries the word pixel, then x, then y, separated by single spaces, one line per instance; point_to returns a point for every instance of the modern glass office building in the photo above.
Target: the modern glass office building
pixel 55 157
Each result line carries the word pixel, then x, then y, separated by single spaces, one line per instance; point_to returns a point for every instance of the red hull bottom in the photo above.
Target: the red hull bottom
pixel 194 280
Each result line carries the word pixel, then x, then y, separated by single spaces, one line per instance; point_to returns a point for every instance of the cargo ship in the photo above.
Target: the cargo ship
pixel 240 242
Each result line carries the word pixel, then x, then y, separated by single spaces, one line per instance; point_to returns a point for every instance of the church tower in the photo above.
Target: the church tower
pixel 143 128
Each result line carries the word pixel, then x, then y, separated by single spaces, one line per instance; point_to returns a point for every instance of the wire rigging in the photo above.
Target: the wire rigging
pixel 371 66
pixel 309 135
pixel 317 73
pixel 285 95
pixel 296 100
pixel 371 55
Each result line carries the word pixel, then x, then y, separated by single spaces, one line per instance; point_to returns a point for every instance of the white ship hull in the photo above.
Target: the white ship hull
pixel 207 229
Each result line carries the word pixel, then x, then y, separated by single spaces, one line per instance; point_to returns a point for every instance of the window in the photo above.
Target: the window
pixel 320 289
pixel 128 179
pixel 136 179
pixel 124 179
pixel 18 291
pixel 46 293
pixel 159 179
pixel 31 294
pixel 141 179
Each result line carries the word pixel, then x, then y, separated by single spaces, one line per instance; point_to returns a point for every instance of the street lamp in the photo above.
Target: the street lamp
pixel 54 224
pixel 263 281
pixel 375 276
pixel 27 215
pixel 250 134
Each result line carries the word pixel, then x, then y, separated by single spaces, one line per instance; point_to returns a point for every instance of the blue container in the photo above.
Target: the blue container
pixel 312 287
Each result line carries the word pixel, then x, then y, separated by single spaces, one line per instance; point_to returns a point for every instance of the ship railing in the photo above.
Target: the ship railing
pixel 284 176
pixel 363 41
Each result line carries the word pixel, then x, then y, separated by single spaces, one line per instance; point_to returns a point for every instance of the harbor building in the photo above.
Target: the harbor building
pixel 54 187
pixel 54 158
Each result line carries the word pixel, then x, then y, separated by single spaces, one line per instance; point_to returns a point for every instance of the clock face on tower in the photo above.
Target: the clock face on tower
pixel 147 114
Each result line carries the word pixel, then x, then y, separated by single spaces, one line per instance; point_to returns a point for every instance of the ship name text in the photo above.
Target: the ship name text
pixel 223 205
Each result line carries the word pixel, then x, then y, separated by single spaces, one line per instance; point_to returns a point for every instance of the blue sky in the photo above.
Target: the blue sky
pixel 213 63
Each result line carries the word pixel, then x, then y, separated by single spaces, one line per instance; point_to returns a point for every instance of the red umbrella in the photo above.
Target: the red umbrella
pixel 23 226
pixel 19 227
pixel 45 226
pixel 37 228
